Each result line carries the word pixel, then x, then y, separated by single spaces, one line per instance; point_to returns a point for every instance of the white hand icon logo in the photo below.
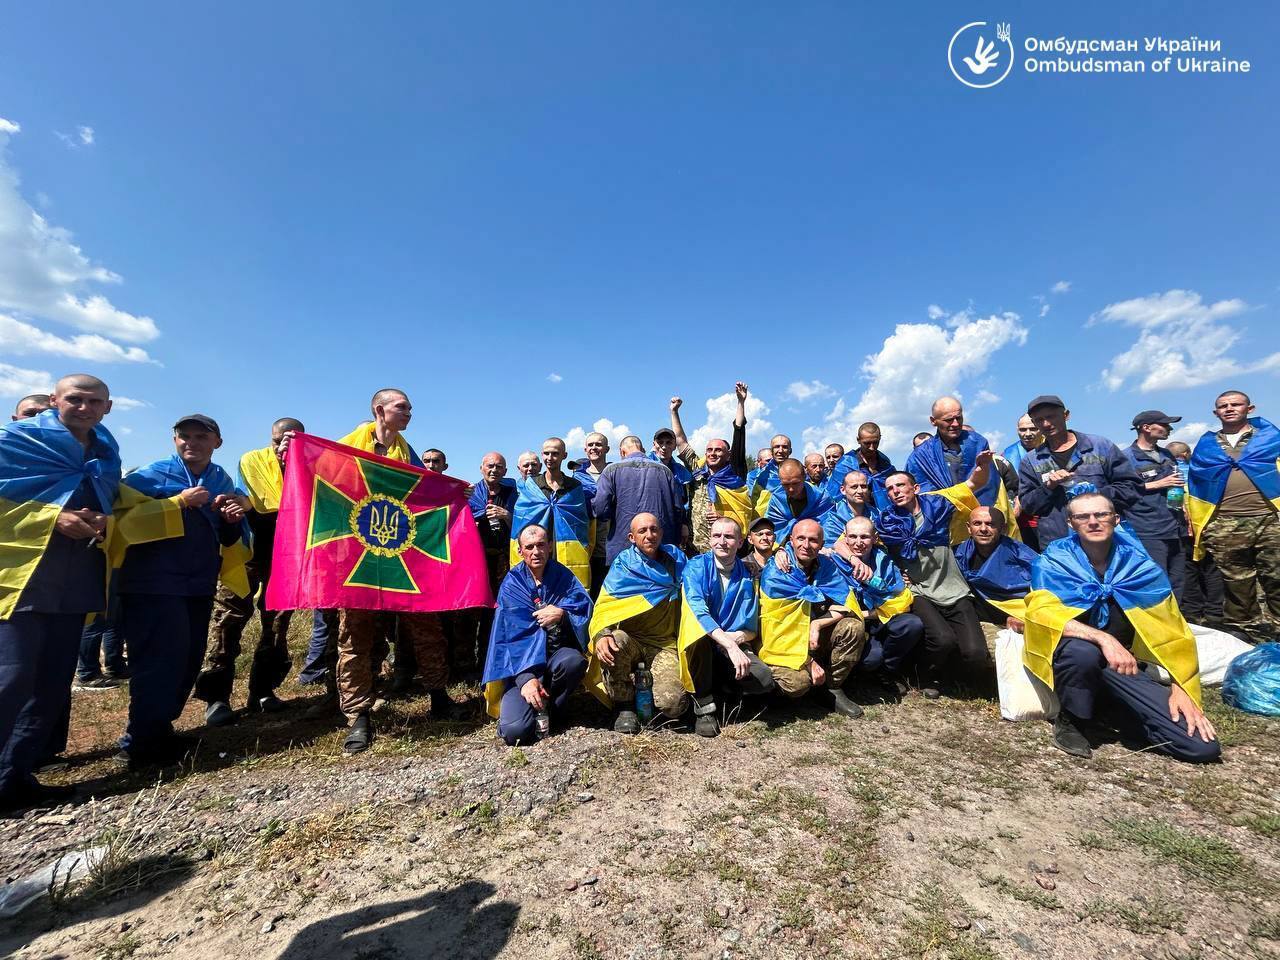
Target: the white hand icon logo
pixel 984 57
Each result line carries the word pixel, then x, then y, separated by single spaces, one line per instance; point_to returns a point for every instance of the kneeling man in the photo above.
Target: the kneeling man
pixel 997 568
pixel 536 655
pixel 719 603
pixel 636 618
pixel 1099 605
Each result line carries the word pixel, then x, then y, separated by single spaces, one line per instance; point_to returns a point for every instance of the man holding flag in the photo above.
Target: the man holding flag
pixel 1098 607
pixel 59 473
pixel 536 656
pixel 261 479
pixel 364 529
pixel 1233 495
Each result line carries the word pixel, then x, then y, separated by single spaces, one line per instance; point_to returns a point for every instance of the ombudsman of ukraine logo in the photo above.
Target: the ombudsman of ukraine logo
pixel 979 59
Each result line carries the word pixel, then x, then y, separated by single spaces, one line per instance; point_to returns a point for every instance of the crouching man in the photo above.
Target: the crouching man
pixel 636 618
pixel 536 656
pixel 1099 605
pixel 720 603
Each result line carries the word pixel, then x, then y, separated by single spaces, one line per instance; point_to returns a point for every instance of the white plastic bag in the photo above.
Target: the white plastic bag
pixel 1216 650
pixel 68 868
pixel 1023 696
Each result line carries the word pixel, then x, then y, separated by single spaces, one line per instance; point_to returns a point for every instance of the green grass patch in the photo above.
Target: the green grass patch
pixel 1209 859
pixel 929 932
pixel 1137 916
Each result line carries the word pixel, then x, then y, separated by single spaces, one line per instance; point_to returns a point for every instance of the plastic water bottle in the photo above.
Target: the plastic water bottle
pixel 644 693
pixel 877 584
pixel 1174 497
pixel 542 720
pixel 553 631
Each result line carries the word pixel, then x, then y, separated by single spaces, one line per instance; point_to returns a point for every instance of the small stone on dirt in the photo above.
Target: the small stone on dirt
pixel 723 911
pixel 1047 883
pixel 958 920
pixel 911 837
pixel 268 927
pixel 571 885
pixel 586 797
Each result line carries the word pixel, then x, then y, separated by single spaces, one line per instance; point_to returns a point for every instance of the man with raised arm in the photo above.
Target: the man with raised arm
pixel 719 627
pixel 537 653
pixel 1100 617
pixel 718 479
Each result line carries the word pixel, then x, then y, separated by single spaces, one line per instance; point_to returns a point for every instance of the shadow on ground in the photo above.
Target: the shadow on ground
pixel 445 924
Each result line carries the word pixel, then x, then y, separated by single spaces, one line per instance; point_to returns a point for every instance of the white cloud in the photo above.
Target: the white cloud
pixel 119 404
pixel 936 312
pixel 1062 286
pixel 44 275
pixel 22 338
pixel 802 391
pixel 8 126
pixel 918 363
pixel 577 436
pixel 17 382
pixel 995 438
pixel 1189 433
pixel 86 135
pixel 554 378
pixel 983 397
pixel 719 423
pixel 1183 342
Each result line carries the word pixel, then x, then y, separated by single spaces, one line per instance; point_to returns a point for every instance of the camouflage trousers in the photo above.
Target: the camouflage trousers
pixel 271 658
pixel 1247 551
pixel 669 695
pixel 358 635
pixel 840 648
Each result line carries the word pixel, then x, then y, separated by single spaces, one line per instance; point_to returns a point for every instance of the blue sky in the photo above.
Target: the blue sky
pixel 535 218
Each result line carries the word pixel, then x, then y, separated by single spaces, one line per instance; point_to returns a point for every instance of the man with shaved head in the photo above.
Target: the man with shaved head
pixel 815 469
pixel 646 577
pixel 715 476
pixel 596 447
pixel 868 460
pixel 262 478
pixel 31 405
pixel 59 473
pixel 855 501
pixel 632 486
pixel 493 501
pixel 1028 439
pixel 832 454
pixel 794 500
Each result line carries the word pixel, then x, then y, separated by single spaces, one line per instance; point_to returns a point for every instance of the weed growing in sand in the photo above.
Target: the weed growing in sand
pixel 1210 859
pixel 517 758
pixel 930 928
pixel 1022 893
pixel 1139 915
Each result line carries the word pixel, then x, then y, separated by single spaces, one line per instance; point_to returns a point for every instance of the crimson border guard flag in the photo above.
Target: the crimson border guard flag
pixel 359 531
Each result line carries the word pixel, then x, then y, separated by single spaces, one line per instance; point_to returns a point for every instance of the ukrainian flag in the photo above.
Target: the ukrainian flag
pixel 1210 467
pixel 633 585
pixel 1004 578
pixel 885 599
pixel 1064 586
pixel 365 437
pixel 728 494
pixel 761 484
pixel 706 606
pixel 565 519
pixel 262 479
pixel 41 466
pixel 149 510
pixel 785 602
pixel 928 464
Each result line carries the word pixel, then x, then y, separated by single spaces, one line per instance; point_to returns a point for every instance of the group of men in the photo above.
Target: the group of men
pixel 708 579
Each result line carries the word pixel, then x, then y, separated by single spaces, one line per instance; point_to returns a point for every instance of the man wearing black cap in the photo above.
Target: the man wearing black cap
pixel 1067 464
pixel 761 538
pixel 665 443
pixel 166 586
pixel 1156 515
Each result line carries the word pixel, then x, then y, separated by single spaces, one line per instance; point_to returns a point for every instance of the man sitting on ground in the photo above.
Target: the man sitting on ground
pixel 808 636
pixel 536 656
pixel 720 604
pixel 1100 604
pixel 998 569
pixel 636 619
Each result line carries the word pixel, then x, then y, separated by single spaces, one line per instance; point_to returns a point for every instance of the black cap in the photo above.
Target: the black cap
pixel 760 521
pixel 664 432
pixel 207 422
pixel 1046 400
pixel 1153 416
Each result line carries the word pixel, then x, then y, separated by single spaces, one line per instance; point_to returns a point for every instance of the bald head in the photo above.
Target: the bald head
pixel 791 478
pixel 81 401
pixel 286 425
pixel 646 534
pixel 780 448
pixel 80 381
pixel 31 405
pixel 630 444
pixel 986 526
pixel 806 540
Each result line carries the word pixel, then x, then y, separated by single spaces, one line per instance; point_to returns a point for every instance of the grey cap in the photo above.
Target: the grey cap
pixel 1046 400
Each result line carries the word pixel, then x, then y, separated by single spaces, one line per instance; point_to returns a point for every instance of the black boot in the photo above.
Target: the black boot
pixel 360 737
pixel 1068 738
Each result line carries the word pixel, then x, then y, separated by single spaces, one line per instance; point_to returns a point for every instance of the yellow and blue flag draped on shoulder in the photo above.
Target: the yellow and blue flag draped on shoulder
pixel 785 602
pixel 784 517
pixel 41 466
pixel 928 464
pixel 706 606
pixel 565 518
pixel 834 520
pixel 1064 586
pixel 728 493
pixel 1015 451
pixel 634 585
pixel 1210 467
pixel 159 484
pixel 885 595
pixel 940 511
pixel 261 478
pixel 364 437
pixel 850 463
pixel 517 643
pixel 1004 578
pixel 761 484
